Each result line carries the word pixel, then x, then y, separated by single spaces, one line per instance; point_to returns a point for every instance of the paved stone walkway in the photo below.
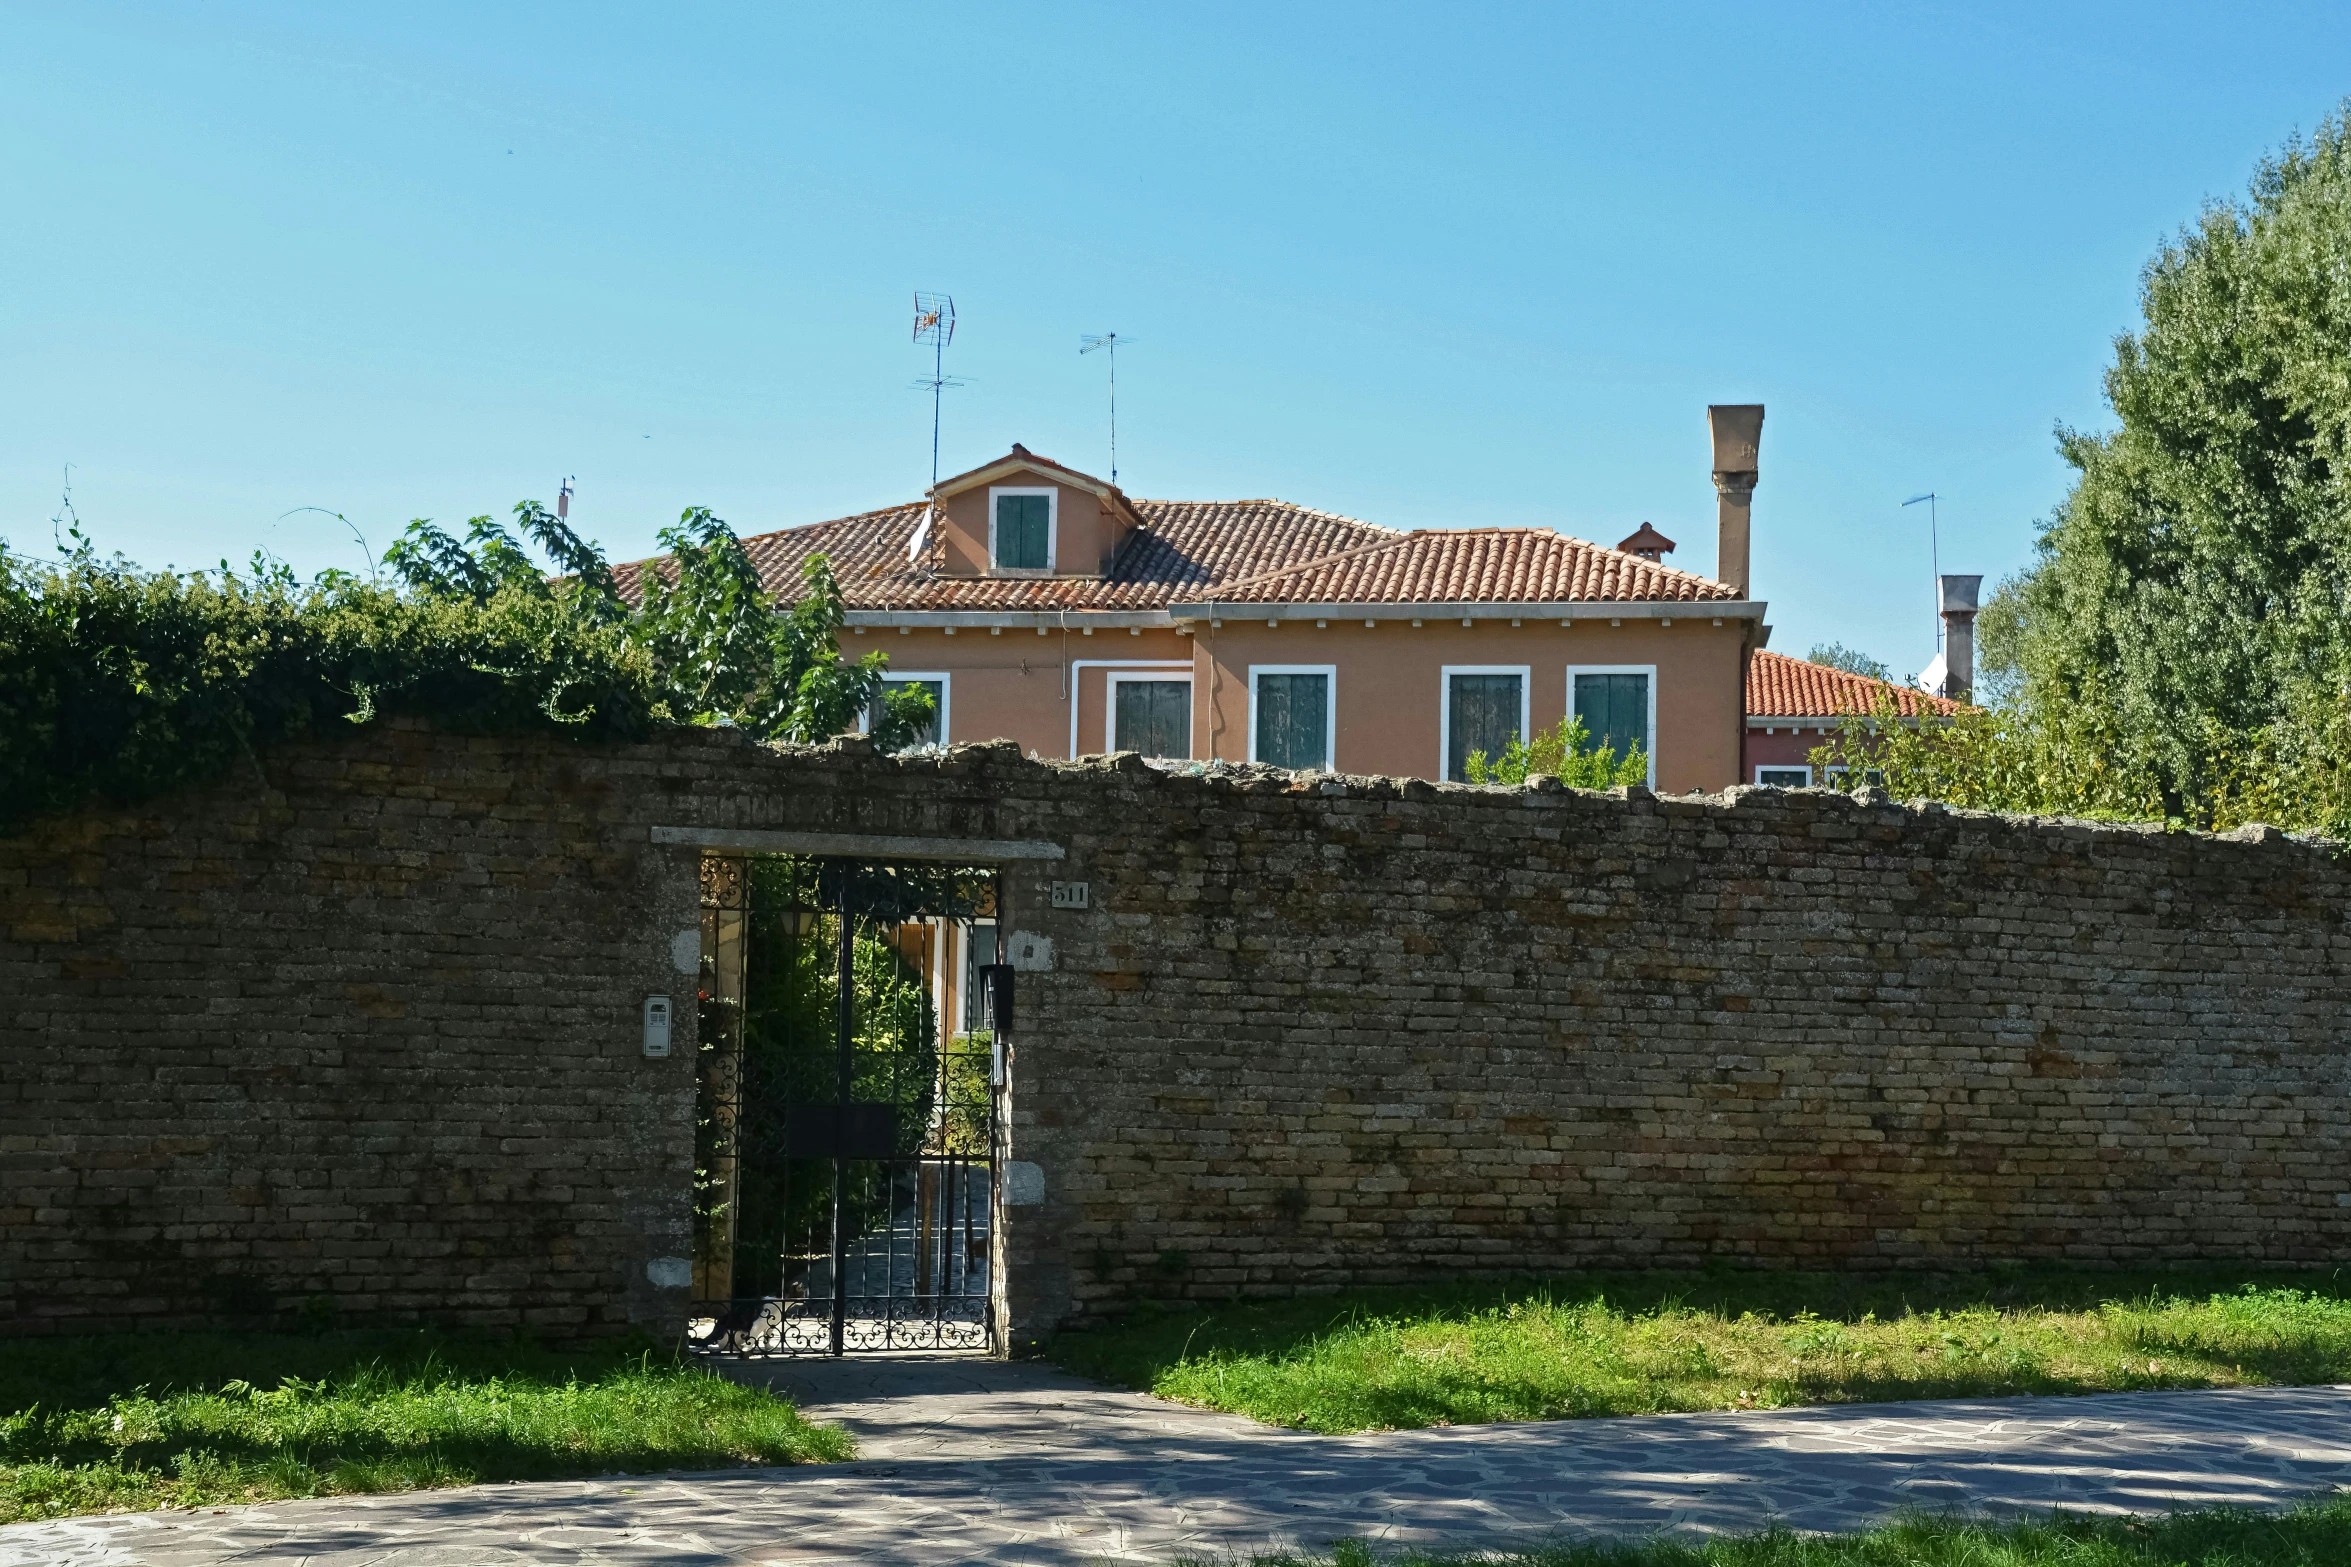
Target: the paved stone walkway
pixel 977 1461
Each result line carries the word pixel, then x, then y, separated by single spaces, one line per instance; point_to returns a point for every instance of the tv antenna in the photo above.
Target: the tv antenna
pixel 934 323
pixel 563 499
pixel 1108 342
pixel 1934 558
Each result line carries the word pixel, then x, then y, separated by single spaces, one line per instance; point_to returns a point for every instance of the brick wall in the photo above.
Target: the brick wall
pixel 363 1025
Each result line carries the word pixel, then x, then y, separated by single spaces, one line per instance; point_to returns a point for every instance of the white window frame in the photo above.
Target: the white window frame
pixel 1115 678
pixel 946 682
pixel 1052 528
pixel 1330 705
pixel 1526 698
pixel 1077 675
pixel 1650 670
pixel 1785 767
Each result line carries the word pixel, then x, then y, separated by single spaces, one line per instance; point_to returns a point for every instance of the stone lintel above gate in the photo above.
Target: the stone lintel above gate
pixel 861 846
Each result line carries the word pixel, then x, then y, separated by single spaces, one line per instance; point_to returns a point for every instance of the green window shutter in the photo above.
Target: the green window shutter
pixel 1483 717
pixel 1615 711
pixel 1154 717
pixel 1293 720
pixel 1024 527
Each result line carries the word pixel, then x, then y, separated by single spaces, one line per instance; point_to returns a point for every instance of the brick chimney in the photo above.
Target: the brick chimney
pixel 1738 436
pixel 1959 596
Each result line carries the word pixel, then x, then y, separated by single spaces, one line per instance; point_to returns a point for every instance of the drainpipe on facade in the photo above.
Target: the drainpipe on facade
pixel 1747 641
pixel 1215 669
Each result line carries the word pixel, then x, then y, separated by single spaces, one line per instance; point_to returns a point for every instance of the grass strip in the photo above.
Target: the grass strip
pixel 2316 1533
pixel 1618 1344
pixel 194 1420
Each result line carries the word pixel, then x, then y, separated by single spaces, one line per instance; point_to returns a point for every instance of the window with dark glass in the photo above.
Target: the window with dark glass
pixel 1784 777
pixel 1615 711
pixel 1152 716
pixel 1024 524
pixel 929 733
pixel 1481 715
pixel 1293 720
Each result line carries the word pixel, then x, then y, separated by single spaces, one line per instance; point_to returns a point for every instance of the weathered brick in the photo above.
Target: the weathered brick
pixel 371 1032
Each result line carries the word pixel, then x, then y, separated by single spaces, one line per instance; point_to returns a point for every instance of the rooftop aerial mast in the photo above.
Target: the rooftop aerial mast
pixel 1108 342
pixel 934 323
pixel 1934 555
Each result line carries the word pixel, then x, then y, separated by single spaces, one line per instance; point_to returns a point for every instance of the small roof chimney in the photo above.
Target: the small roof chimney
pixel 1649 544
pixel 1959 599
pixel 1738 442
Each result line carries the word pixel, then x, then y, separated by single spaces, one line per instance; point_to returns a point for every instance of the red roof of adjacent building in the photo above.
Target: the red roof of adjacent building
pixel 1782 687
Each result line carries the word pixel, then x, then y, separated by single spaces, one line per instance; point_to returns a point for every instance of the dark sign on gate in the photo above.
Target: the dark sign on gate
pixel 851 1131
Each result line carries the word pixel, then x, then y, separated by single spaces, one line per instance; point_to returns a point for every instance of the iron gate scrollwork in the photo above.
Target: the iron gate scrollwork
pixel 846 1123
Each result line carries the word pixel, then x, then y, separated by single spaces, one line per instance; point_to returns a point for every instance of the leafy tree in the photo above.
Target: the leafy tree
pixel 1836 655
pixel 117 683
pixel 721 650
pixel 1991 759
pixel 2189 604
pixel 1564 751
pixel 2180 647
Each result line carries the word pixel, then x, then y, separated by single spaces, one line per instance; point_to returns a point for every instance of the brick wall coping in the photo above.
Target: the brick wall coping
pixel 863 846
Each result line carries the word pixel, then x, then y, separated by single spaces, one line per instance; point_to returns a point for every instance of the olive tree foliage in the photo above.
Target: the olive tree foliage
pixel 118 683
pixel 2180 646
pixel 1836 655
pixel 721 650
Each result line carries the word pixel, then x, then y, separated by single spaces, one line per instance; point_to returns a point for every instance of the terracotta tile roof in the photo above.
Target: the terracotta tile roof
pixel 1782 687
pixel 1476 565
pixel 1257 551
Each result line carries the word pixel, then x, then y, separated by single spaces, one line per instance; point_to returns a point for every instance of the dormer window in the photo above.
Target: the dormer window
pixel 1020 529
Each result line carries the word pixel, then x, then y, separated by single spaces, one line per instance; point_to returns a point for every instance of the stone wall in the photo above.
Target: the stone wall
pixel 365 1029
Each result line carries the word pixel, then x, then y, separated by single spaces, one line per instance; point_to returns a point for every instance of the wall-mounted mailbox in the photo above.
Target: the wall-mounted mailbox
pixel 997 977
pixel 656 1028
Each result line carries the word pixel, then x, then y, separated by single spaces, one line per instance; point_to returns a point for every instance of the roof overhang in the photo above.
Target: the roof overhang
pixel 1575 609
pixel 1820 720
pixel 1184 614
pixel 1023 619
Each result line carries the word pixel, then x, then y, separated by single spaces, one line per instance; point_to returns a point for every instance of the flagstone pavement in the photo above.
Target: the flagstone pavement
pixel 967 1460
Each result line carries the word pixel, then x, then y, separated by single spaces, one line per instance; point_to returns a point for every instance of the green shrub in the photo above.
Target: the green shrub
pixel 117 683
pixel 1565 752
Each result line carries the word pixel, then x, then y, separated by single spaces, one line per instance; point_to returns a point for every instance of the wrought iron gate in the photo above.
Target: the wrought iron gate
pixel 847 1118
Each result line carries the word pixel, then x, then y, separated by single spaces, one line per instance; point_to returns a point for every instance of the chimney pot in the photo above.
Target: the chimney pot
pixel 1648 543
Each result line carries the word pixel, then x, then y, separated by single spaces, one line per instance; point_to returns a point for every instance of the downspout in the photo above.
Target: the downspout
pixel 1746 669
pixel 1215 670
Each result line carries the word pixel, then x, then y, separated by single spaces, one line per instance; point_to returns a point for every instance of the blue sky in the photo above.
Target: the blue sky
pixel 1427 266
